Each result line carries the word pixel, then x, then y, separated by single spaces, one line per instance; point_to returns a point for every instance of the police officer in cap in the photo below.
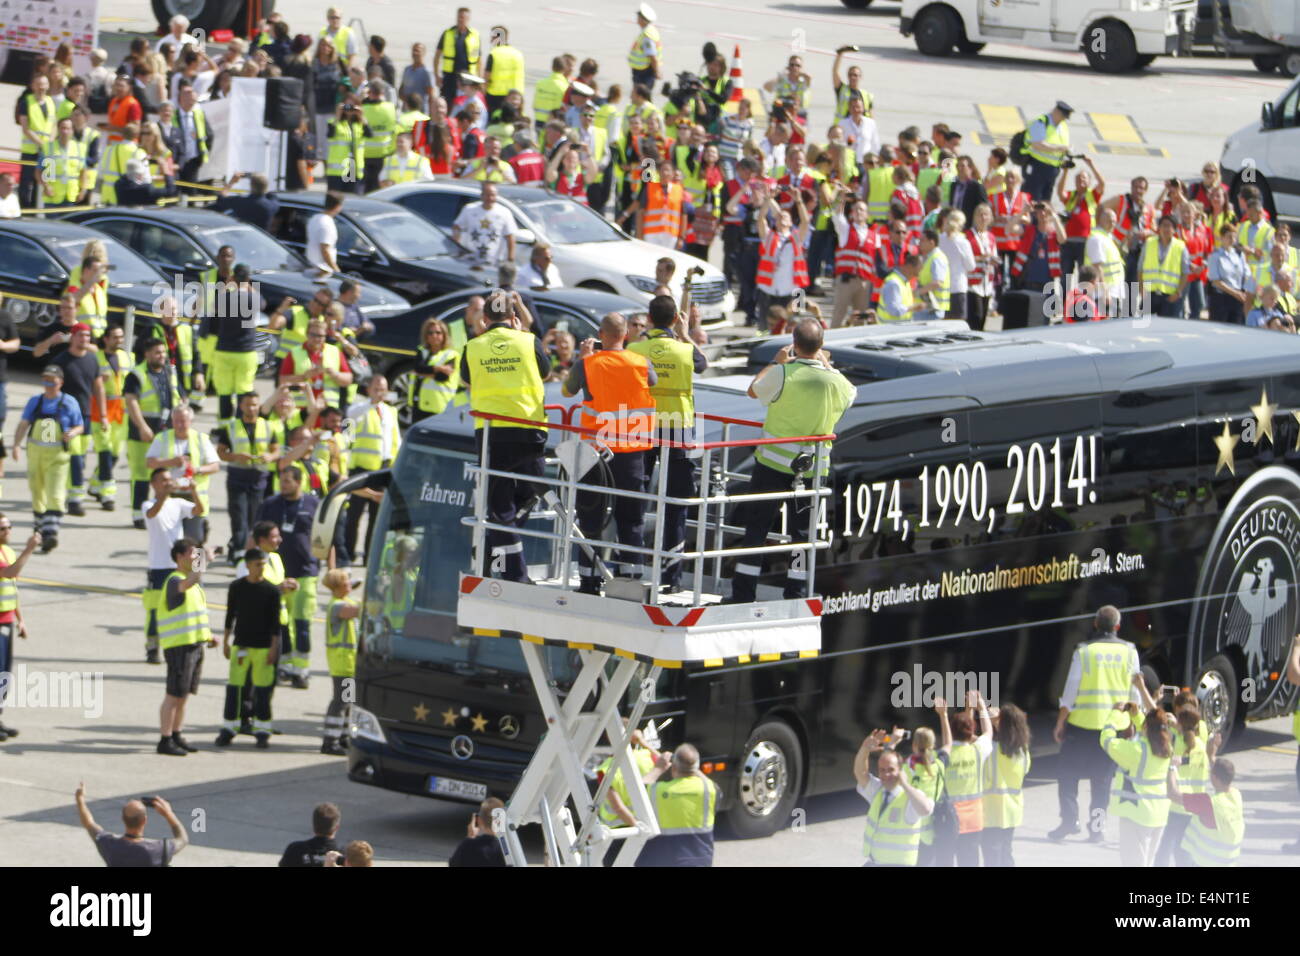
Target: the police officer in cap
pixel 1101 676
pixel 1047 147
pixel 504 368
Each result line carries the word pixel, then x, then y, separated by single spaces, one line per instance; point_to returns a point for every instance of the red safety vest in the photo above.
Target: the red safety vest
pixel 1124 220
pixel 1199 245
pixel 767 262
pixel 529 167
pixel 729 189
pixel 982 245
pixel 1027 243
pixel 1081 307
pixel 857 256
pixel 621 408
pixel 1003 208
pixel 915 213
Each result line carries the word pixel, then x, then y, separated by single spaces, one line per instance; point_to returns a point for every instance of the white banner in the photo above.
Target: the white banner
pixel 240 143
pixel 41 25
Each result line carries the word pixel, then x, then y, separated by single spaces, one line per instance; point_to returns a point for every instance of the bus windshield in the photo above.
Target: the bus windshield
pixel 420 548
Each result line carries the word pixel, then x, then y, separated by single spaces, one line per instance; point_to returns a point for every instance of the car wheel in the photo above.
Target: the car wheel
pixel 937 31
pixel 768 783
pixel 1144 61
pixel 1110 47
pixel 401 379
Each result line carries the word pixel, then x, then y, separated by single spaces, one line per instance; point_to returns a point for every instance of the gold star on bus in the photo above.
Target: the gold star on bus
pixel 449 717
pixel 1226 443
pixel 421 712
pixel 479 722
pixel 1263 413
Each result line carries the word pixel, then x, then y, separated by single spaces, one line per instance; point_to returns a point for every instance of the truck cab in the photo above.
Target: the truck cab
pixel 1266 153
pixel 1117 36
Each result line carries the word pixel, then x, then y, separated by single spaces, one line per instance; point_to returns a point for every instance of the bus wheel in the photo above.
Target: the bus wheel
pixel 1216 691
pixel 1265 64
pixel 769 781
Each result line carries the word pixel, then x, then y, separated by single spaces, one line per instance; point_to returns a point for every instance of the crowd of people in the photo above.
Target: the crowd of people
pixel 887 229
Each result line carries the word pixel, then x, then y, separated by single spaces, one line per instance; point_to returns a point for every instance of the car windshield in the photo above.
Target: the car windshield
pixel 125 266
pixel 404 235
pixel 565 221
pixel 252 246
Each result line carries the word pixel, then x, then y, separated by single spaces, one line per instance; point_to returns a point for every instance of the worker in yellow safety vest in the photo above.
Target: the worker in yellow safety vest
pixel 967 753
pixel 1192 757
pixel 115 159
pixel 896 810
pixel 183 633
pixel 381 130
pixel 504 70
pixel 376 439
pixel 1214 835
pixel 62 170
pixel 1004 781
pixel 1139 794
pixel 12 625
pixel 341 653
pixel 457 52
pixel 1163 271
pixel 405 165
pixel 1102 253
pixel 896 301
pixel 647 54
pixel 435 375
pixel 108 423
pixel 36 118
pixel 345 149
pixel 1047 146
pixel 685 806
pixel 549 94
pixel 504 368
pixel 1100 677
pixel 334 31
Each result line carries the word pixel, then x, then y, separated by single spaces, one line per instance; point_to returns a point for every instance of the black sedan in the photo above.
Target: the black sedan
pixel 36 258
pixel 182 243
pixel 392 347
pixel 386 244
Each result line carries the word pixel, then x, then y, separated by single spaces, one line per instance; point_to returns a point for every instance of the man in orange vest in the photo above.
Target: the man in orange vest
pixel 620 411
pixel 661 210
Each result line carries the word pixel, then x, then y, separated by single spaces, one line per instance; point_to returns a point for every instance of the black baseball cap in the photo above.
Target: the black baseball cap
pixel 1064 107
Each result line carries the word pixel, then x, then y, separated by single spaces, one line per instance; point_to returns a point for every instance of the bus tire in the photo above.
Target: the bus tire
pixel 1265 63
pixel 768 782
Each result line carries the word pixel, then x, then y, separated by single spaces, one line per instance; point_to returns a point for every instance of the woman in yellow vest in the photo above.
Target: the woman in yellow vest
pixel 161 161
pixel 895 808
pixel 341 653
pixel 926 772
pixel 1142 750
pixel 1192 757
pixel 436 373
pixel 964 754
pixel 1215 833
pixel 1005 772
pixel 183 633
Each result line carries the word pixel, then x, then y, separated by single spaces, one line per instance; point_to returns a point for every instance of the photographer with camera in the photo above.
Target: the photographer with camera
pixel 133 848
pixel 843 90
pixel 1047 146
pixel 792 86
pixel 570 170
pixel 346 147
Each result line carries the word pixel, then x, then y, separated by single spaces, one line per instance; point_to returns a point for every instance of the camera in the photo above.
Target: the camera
pixel 851 48
pixel 149 801
pixel 695 271
pixel 1070 160
pixel 688 87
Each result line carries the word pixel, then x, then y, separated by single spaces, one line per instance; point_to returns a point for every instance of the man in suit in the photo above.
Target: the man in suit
pixel 967 190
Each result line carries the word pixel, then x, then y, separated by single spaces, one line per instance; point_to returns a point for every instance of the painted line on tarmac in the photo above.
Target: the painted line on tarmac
pixel 1278 750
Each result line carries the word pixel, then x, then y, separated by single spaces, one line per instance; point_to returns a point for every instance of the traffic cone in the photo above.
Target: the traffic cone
pixel 737 78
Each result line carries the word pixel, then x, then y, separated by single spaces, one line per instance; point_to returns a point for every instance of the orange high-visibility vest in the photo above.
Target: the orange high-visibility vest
pixel 621 408
pixel 663 209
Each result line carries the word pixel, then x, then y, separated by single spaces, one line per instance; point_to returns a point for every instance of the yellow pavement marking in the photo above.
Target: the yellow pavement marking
pixel 1278 750
pixel 1001 121
pixel 1129 149
pixel 1115 128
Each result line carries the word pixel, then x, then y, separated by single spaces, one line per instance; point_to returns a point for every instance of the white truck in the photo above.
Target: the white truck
pixel 1266 153
pixel 1116 35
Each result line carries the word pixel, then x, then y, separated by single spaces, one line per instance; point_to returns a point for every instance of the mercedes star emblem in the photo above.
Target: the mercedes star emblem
pixel 462 747
pixel 508 726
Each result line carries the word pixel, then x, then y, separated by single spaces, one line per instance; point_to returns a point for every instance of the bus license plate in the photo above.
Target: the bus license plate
pixel 447 787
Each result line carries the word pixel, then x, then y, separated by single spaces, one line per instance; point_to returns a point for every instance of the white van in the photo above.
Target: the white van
pixel 1116 35
pixel 1267 152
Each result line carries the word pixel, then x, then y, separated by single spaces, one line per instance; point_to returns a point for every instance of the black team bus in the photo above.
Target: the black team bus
pixel 990 491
